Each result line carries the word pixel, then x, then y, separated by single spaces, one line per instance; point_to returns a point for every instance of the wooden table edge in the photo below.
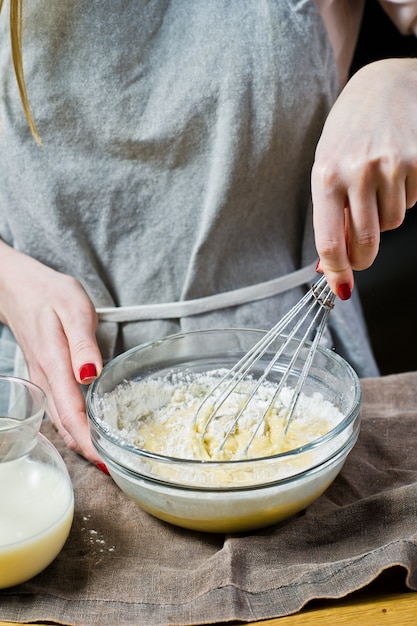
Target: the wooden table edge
pixel 354 610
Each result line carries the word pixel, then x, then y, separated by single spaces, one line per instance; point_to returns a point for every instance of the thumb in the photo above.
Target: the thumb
pixel 88 372
pixel 86 358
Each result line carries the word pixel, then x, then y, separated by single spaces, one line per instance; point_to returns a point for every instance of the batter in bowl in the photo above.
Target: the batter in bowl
pixel 159 415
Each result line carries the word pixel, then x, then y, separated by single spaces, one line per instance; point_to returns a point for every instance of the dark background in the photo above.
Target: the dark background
pixel 389 288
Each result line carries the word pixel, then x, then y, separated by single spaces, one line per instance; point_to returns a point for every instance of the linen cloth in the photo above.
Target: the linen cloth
pixel 122 566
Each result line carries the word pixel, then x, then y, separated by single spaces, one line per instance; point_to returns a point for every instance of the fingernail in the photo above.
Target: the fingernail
pixel 343 291
pixel 103 468
pixel 318 268
pixel 88 371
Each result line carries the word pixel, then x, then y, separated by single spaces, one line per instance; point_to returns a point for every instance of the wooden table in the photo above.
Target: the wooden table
pixel 385 602
pixel 389 610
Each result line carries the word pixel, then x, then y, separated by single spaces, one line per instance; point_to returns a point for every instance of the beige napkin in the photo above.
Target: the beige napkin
pixel 122 566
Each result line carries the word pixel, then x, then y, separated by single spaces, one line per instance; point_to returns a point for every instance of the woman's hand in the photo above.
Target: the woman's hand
pixel 54 322
pixel 364 177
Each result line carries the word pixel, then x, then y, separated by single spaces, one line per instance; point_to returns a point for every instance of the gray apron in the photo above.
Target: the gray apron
pixel 12 361
pixel 174 177
pixel 187 308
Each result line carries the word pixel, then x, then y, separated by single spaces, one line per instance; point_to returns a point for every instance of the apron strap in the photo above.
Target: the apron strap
pixel 187 308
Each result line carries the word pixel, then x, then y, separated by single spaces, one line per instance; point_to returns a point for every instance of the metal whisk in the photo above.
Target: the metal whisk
pixel 302 326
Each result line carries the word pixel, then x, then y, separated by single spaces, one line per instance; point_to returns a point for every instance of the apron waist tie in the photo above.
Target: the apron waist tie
pixel 187 308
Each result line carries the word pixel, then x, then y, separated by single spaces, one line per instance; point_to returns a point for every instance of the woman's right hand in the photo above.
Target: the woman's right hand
pixel 364 177
pixel 54 323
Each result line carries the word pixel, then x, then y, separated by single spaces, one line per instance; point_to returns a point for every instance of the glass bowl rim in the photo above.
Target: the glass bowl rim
pixel 15 423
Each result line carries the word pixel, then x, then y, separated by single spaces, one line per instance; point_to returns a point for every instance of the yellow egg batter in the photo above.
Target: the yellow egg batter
pixel 169 416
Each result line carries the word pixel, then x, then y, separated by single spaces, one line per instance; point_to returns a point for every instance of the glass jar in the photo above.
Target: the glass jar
pixel 36 493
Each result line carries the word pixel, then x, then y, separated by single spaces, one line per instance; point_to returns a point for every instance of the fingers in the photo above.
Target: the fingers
pixel 86 360
pixel 348 220
pixel 362 217
pixel 331 232
pixel 81 362
pixel 364 177
pixel 50 366
pixel 66 409
pixel 57 337
pixel 411 189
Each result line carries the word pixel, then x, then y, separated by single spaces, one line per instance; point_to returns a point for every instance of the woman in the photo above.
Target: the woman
pixel 177 145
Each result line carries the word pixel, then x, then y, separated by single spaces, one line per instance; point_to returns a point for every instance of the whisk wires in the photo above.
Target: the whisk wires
pixel 305 316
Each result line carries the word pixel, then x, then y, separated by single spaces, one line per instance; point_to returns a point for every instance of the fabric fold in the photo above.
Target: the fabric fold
pixel 120 565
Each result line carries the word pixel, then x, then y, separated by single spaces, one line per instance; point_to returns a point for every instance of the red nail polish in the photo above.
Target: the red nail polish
pixel 318 268
pixel 87 371
pixel 343 291
pixel 103 468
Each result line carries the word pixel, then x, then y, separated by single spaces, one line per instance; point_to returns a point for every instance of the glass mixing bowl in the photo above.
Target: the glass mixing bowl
pixel 223 496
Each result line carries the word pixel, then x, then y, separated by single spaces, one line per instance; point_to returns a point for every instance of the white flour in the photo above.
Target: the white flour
pixel 159 415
